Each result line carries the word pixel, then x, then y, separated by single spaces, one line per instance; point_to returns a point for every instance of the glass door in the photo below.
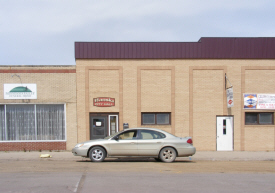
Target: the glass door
pixel 98 129
pixel 113 124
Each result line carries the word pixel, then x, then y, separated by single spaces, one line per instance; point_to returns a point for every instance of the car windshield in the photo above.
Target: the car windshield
pixel 109 137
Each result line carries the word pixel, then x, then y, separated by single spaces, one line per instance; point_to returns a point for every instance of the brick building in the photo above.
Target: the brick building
pixel 180 87
pixel 44 122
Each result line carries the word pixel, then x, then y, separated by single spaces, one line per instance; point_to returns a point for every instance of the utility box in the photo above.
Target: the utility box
pixel 125 126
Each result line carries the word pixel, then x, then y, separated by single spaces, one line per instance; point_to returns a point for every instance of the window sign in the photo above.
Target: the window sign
pixel 259 101
pixel 20 91
pixel 98 124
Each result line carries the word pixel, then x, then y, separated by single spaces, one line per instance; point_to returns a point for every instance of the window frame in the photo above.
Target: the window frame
pixel 258 118
pixel 155 114
pixel 35 140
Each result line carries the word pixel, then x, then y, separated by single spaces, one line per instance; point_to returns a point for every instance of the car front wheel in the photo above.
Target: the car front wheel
pixel 168 154
pixel 97 154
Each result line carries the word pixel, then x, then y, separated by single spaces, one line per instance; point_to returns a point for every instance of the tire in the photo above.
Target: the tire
pixel 97 154
pixel 168 154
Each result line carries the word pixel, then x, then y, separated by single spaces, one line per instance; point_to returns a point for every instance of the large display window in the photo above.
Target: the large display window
pixel 24 122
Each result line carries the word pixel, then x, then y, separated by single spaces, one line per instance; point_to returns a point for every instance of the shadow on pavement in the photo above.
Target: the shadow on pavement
pixel 135 160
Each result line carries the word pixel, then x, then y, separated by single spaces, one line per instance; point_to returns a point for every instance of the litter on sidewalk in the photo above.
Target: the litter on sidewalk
pixel 45 156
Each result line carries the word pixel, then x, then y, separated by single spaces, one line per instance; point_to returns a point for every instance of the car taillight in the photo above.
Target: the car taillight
pixel 190 141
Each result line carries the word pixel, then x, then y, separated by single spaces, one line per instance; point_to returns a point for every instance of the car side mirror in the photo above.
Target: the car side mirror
pixel 116 138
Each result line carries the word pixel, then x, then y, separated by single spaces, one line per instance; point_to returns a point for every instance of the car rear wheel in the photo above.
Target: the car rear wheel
pixel 97 154
pixel 168 154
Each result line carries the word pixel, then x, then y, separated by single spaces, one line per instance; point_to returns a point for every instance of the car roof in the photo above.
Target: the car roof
pixel 147 128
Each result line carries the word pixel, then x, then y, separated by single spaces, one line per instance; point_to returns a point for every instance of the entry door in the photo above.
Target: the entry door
pixel 225 133
pixel 98 127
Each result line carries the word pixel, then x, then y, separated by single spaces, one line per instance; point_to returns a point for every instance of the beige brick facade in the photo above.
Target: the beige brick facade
pixel 55 85
pixel 193 91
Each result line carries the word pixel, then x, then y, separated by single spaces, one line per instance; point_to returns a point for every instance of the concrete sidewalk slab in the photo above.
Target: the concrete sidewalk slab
pixel 234 156
pixel 200 155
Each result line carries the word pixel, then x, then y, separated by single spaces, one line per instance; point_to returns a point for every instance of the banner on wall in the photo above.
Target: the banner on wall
pixel 259 101
pixel 20 91
pixel 230 101
pixel 266 101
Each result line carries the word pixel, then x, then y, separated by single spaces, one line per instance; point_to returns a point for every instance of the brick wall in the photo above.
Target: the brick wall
pixel 259 80
pixel 208 89
pixel 198 96
pixel 32 146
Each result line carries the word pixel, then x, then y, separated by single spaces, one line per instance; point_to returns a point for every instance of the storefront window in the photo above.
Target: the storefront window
pixel 163 119
pixel 32 122
pixel 20 122
pixel 265 118
pixel 251 118
pixel 50 122
pixel 156 118
pixel 148 119
pixel 259 118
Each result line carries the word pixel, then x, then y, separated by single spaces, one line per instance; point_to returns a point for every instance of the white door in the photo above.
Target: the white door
pixel 225 133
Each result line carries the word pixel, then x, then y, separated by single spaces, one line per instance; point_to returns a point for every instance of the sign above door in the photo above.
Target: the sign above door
pixel 104 102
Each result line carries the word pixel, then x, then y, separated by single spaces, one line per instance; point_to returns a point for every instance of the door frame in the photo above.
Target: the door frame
pixel 232 116
pixel 109 126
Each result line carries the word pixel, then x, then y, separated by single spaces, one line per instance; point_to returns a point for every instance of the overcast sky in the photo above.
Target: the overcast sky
pixel 43 32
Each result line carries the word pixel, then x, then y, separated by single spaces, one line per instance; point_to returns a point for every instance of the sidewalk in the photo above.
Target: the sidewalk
pixel 200 155
pixel 234 156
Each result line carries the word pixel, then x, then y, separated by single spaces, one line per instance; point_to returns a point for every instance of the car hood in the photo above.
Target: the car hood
pixel 95 140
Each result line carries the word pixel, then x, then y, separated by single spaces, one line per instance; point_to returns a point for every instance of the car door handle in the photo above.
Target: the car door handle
pixel 158 142
pixel 133 142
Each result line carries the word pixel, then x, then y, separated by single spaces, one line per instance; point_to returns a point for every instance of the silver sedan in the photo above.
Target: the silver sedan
pixel 137 142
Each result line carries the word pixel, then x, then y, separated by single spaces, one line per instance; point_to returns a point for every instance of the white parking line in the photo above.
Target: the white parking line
pixel 80 183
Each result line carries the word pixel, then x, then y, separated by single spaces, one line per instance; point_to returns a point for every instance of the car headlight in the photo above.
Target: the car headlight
pixel 79 145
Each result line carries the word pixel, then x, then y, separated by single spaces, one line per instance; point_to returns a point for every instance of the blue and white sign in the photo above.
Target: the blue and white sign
pixel 20 91
pixel 250 101
pixel 259 101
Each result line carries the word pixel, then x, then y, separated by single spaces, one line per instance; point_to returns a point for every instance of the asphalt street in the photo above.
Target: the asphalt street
pixel 136 182
pixel 205 172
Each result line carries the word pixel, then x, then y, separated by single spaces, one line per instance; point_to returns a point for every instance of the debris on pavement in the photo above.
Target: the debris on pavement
pixel 45 156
